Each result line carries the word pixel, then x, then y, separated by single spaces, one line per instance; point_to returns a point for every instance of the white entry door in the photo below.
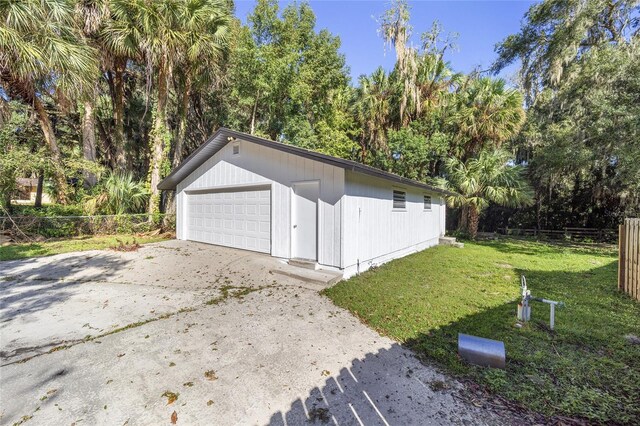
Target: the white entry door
pixel 240 219
pixel 304 219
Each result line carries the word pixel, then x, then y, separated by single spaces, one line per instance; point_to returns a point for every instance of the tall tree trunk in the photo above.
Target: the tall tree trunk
pixel 363 150
pixel 160 135
pixel 107 144
pixel 89 141
pixel 182 123
pixel 474 218
pixel 52 143
pixel 538 210
pixel 183 110
pixel 38 201
pixel 463 219
pixel 118 113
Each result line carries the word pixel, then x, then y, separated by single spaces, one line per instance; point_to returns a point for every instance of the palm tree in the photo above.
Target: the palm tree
pixel 119 193
pixel 489 178
pixel 92 14
pixel 434 83
pixel 158 32
pixel 174 33
pixel 206 27
pixel 488 114
pixel 373 108
pixel 205 24
pixel 119 39
pixel 42 53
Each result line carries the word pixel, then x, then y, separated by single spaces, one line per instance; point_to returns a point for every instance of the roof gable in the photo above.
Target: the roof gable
pixel 223 136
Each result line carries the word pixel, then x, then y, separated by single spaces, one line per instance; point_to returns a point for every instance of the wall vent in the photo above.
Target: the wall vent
pixel 399 199
pixel 427 202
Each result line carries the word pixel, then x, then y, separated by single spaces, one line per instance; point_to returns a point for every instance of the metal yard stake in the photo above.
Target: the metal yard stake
pixel 524 309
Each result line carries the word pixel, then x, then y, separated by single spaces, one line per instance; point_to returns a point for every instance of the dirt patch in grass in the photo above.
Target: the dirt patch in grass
pixel 126 245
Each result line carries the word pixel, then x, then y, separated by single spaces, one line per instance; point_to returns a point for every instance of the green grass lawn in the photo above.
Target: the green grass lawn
pixel 585 368
pixel 48 248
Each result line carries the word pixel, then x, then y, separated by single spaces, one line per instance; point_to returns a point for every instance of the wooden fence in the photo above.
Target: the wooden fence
pixel 629 258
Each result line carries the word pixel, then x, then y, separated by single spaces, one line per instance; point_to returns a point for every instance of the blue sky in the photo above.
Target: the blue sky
pixel 479 24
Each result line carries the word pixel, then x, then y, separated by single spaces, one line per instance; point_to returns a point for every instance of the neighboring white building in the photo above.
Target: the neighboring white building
pixel 246 192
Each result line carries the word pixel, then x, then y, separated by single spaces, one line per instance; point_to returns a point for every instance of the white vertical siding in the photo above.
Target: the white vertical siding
pixel 374 232
pixel 257 164
pixel 443 217
pixel 180 213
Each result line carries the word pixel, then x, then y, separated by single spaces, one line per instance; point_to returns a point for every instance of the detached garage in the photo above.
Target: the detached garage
pixel 241 191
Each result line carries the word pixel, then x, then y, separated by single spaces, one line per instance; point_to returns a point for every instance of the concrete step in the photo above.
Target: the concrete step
pixel 313 279
pixel 303 263
pixel 450 241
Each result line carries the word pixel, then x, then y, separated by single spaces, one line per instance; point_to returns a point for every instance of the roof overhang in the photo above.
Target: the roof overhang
pixel 223 136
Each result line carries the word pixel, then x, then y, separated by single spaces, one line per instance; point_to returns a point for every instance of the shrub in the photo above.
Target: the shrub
pixel 118 193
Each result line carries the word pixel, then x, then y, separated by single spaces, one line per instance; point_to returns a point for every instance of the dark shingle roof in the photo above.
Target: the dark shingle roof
pixel 221 137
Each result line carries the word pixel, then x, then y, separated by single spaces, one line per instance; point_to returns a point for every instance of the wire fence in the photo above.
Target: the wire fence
pixel 572 234
pixel 19 228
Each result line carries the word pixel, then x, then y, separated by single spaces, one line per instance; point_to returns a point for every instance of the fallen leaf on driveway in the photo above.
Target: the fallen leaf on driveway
pixel 174 418
pixel 326 373
pixel 321 414
pixel 171 397
pixel 210 375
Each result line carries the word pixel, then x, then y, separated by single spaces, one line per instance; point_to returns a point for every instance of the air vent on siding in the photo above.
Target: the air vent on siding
pixel 236 148
pixel 399 199
pixel 427 202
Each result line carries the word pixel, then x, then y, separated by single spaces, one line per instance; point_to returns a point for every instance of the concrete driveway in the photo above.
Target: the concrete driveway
pixel 200 334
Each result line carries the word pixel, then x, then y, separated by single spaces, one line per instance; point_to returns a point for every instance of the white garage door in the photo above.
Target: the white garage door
pixel 240 219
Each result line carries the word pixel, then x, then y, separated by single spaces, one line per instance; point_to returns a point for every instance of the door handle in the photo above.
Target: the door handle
pixel 295 226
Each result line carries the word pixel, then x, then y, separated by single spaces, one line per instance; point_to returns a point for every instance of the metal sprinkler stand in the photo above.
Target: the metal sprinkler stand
pixel 524 310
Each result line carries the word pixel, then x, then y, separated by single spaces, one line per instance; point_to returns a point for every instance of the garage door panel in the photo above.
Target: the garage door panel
pixel 240 219
pixel 252 244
